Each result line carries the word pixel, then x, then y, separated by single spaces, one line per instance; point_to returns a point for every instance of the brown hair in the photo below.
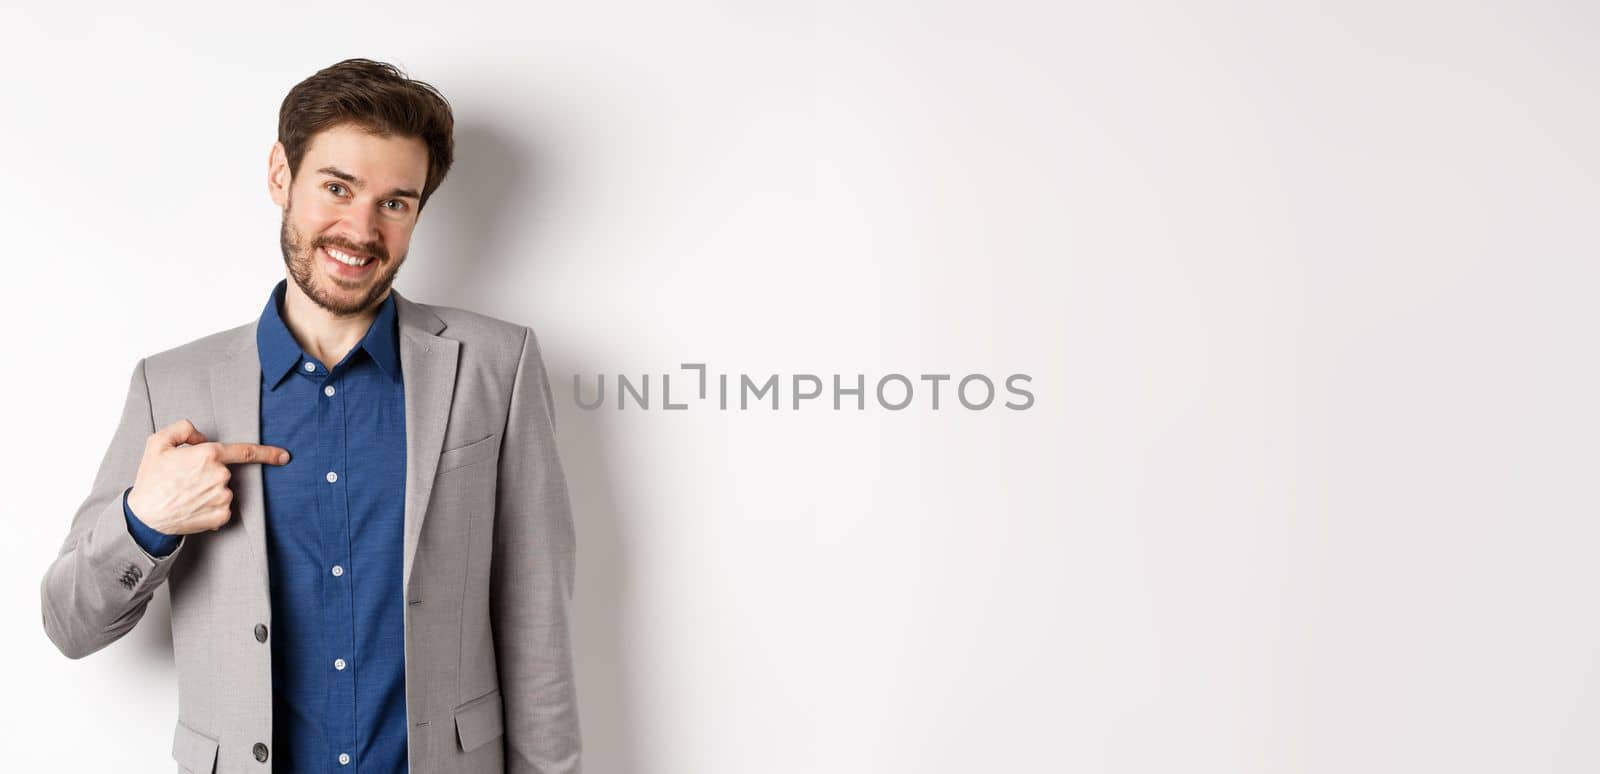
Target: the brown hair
pixel 377 97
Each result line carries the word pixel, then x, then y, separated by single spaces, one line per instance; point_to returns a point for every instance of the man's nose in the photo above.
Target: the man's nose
pixel 364 225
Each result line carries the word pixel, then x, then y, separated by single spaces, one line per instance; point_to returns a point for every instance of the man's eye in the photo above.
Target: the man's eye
pixel 332 186
pixel 399 205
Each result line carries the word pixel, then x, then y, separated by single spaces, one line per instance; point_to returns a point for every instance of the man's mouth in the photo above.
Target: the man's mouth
pixel 346 258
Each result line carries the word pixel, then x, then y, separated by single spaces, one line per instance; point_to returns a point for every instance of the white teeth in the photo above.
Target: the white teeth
pixel 346 259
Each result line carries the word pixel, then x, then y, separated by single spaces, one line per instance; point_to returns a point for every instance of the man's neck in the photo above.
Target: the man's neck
pixel 322 334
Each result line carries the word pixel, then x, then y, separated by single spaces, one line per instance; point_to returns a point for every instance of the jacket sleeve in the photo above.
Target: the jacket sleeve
pixel 100 583
pixel 531 583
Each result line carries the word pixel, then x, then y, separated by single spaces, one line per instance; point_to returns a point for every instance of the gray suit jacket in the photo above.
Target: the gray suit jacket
pixel 488 568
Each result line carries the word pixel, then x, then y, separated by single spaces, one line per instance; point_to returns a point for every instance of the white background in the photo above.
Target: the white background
pixel 1307 292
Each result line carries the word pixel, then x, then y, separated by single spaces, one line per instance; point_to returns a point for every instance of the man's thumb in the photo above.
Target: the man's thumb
pixel 179 433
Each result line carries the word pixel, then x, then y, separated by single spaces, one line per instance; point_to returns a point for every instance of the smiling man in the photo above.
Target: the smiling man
pixel 354 500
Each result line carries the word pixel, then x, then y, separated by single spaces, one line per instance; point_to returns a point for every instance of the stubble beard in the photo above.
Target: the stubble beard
pixel 300 258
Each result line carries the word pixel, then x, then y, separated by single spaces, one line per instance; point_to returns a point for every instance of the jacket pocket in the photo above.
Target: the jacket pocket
pixel 462 456
pixel 479 721
pixel 194 751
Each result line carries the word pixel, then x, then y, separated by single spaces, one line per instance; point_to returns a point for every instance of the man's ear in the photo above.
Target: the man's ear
pixel 278 175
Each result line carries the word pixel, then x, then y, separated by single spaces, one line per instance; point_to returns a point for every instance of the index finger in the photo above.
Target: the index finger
pixel 236 453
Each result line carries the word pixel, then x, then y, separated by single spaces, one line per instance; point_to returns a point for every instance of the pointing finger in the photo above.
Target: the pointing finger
pixel 237 453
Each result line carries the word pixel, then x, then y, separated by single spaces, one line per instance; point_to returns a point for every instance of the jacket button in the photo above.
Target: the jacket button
pixel 260 751
pixel 261 632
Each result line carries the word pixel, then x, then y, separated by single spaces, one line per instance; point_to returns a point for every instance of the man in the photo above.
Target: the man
pixel 354 500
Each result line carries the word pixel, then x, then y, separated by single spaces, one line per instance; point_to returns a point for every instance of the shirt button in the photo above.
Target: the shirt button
pixel 328 391
pixel 332 476
pixel 261 632
pixel 338 570
pixel 260 751
pixel 310 366
pixel 344 758
pixel 338 664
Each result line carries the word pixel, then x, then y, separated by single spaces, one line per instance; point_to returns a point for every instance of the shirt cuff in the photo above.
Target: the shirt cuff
pixel 156 544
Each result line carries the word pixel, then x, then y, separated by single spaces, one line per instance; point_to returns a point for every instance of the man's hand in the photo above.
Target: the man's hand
pixel 181 490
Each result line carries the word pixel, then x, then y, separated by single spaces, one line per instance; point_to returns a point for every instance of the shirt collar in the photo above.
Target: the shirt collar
pixel 280 353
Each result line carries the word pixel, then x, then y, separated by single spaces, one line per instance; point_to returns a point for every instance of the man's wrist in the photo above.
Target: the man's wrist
pixel 154 542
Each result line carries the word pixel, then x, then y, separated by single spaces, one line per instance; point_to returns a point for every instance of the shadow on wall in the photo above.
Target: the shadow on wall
pixel 487 185
pixel 460 242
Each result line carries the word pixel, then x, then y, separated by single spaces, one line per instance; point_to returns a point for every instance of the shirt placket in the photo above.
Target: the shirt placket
pixel 338 603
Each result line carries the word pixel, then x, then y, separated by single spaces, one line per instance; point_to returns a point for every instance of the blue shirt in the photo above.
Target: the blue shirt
pixel 335 520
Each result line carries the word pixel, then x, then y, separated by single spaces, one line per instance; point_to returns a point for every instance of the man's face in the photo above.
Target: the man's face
pixel 355 197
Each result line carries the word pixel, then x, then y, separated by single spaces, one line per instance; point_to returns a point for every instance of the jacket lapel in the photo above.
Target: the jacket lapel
pixel 236 401
pixel 428 366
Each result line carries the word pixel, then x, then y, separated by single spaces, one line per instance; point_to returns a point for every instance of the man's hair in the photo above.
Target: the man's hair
pixel 377 97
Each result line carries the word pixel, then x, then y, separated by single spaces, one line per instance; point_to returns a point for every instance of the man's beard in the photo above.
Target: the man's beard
pixel 299 257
